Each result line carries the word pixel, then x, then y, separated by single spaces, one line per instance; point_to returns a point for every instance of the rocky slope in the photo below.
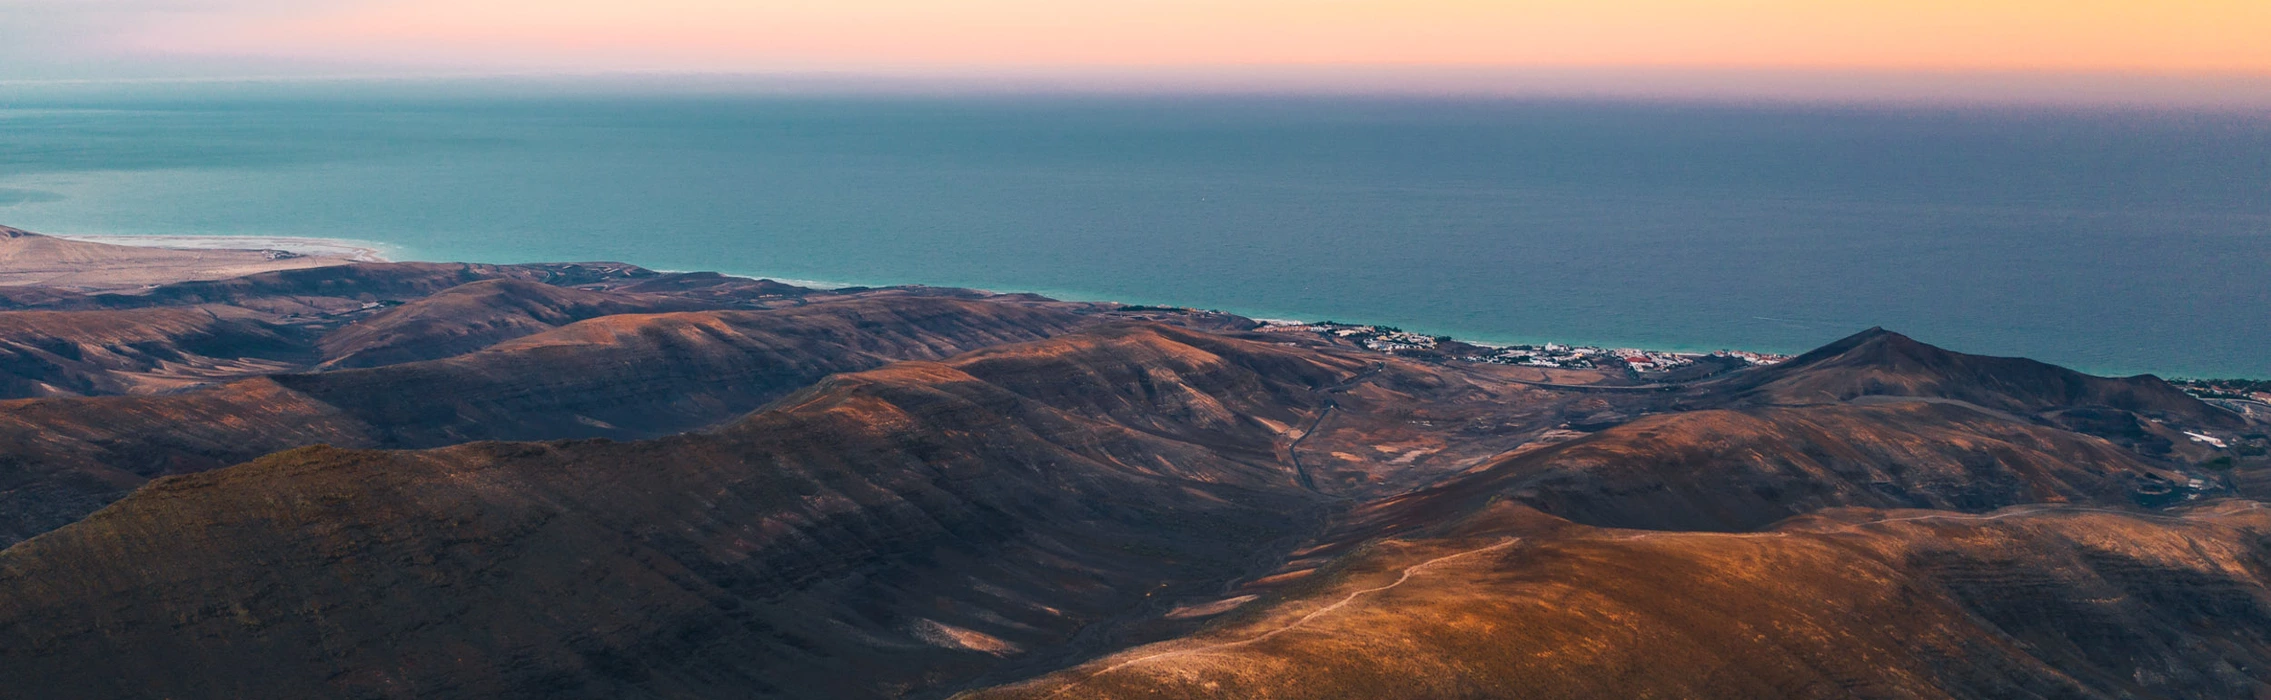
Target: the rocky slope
pixel 345 288
pixel 620 376
pixel 602 481
pixel 1737 470
pixel 928 526
pixel 61 459
pixel 1878 365
pixel 476 315
pixel 879 532
pixel 1849 603
pixel 640 375
pixel 141 351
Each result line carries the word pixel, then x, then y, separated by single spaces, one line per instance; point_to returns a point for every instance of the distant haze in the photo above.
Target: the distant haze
pixel 2169 51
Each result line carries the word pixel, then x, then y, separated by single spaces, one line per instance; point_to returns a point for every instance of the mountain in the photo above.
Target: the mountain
pixel 595 480
pixel 927 526
pixel 619 376
pixel 878 532
pixel 67 457
pixel 639 375
pixel 1738 470
pixel 713 286
pixel 2030 602
pixel 1879 364
pixel 51 353
pixel 176 336
pixel 345 288
pixel 476 315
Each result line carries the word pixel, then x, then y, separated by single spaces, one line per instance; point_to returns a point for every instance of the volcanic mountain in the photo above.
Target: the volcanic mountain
pixel 878 532
pixel 1742 469
pixel 476 315
pixel 1879 365
pixel 593 480
pixel 139 351
pixel 2028 602
pixel 1878 362
pixel 618 376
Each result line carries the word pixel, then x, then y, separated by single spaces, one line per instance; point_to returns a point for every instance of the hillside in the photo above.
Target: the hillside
pixel 880 531
pixel 476 315
pixel 141 351
pixel 1879 364
pixel 596 480
pixel 1090 492
pixel 1738 470
pixel 1850 603
pixel 639 375
pixel 621 376
pixel 69 457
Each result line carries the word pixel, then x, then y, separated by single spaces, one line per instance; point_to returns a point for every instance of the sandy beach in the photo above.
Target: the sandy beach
pixel 125 263
pixel 357 251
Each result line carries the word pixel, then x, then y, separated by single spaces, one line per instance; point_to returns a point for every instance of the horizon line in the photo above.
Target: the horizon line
pixel 2146 89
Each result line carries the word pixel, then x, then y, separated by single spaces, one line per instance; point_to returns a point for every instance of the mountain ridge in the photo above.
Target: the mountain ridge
pixel 595 480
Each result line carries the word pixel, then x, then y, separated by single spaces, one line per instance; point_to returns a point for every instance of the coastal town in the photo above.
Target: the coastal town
pixel 1389 339
pixel 2247 397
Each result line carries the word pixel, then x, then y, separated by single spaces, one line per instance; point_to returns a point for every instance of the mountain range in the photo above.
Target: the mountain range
pixel 595 480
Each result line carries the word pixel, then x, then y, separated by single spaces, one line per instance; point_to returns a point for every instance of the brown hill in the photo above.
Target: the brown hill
pixel 880 533
pixel 1878 362
pixel 618 376
pixel 337 289
pixel 942 489
pixel 925 525
pixel 50 353
pixel 642 375
pixel 1738 470
pixel 37 297
pixel 2142 413
pixel 476 315
pixel 713 286
pixel 350 316
pixel 1855 603
pixel 67 457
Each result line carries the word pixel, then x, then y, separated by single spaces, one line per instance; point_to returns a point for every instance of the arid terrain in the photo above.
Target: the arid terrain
pixel 329 478
pixel 31 260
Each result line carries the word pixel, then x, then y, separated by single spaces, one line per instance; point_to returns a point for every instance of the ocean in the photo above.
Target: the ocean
pixel 2115 242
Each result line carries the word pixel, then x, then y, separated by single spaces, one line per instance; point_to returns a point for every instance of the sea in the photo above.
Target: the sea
pixel 2115 240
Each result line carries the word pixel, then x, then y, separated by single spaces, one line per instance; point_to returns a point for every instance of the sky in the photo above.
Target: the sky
pixel 2176 39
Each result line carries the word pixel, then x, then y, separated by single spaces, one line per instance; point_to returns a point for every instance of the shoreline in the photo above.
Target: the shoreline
pixel 353 250
pixel 341 248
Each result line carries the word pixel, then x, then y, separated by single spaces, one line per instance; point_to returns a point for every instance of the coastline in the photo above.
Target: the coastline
pixel 354 250
pixel 342 248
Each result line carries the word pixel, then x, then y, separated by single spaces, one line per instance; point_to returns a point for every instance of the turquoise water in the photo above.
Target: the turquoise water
pixel 2112 242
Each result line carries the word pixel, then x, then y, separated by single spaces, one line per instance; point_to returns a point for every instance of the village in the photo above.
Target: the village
pixel 1550 355
pixel 2247 397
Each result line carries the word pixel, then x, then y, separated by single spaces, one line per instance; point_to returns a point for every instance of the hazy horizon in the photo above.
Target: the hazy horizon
pixel 1831 87
pixel 2179 53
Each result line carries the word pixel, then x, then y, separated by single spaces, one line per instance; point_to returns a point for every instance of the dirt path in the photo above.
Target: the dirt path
pixel 1293 450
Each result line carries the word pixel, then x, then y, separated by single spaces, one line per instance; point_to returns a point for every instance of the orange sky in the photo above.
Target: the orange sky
pixel 2084 35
